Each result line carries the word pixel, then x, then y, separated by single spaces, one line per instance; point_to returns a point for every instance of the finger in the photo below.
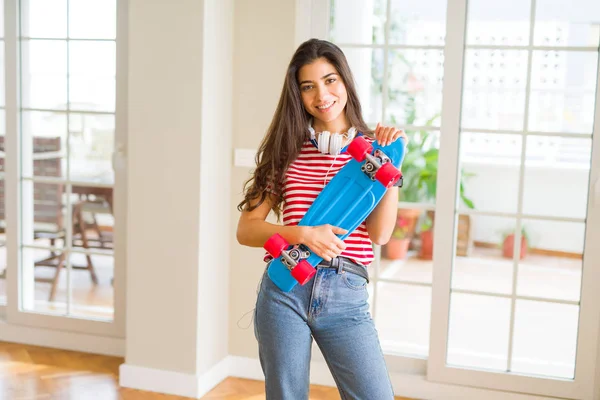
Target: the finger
pixel 389 134
pixel 336 249
pixel 325 254
pixel 396 135
pixel 340 244
pixel 402 134
pixel 338 230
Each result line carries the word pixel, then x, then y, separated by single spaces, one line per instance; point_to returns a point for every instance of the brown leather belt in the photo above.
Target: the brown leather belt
pixel 345 264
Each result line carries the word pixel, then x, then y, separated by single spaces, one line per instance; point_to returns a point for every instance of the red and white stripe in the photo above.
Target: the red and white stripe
pixel 304 180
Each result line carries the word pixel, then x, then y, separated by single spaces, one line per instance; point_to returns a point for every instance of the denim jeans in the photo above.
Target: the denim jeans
pixel 332 308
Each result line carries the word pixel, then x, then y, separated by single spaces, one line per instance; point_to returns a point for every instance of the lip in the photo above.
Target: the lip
pixel 325 110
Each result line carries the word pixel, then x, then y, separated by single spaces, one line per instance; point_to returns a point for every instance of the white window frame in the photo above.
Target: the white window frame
pixel 312 19
pixel 14 308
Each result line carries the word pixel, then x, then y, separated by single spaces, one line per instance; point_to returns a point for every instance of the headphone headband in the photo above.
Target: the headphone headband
pixel 330 143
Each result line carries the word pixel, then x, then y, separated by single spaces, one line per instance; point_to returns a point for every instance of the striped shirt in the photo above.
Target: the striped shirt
pixel 304 180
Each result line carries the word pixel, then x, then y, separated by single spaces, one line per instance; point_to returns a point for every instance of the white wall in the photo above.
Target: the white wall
pixel 264 44
pixel 165 132
pixel 179 113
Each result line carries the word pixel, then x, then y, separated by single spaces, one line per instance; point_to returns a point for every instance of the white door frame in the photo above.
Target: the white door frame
pixel 583 384
pixel 14 312
pixel 312 20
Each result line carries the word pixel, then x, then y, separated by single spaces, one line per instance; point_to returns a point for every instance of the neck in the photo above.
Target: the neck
pixel 339 125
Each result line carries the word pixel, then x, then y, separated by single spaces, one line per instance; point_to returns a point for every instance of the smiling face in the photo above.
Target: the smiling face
pixel 324 95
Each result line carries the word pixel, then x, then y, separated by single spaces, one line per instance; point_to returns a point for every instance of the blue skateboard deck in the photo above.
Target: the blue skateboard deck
pixel 346 201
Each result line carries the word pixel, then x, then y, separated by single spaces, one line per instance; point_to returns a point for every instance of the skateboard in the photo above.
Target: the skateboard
pixel 345 201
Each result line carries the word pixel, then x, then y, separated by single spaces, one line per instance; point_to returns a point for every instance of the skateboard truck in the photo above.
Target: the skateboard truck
pixel 294 259
pixel 293 256
pixel 377 166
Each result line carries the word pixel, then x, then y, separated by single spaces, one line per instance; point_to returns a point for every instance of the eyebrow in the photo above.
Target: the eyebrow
pixel 323 77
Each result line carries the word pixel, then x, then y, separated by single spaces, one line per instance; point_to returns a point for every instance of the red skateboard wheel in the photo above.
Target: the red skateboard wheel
pixel 303 272
pixel 388 175
pixel 275 245
pixel 359 148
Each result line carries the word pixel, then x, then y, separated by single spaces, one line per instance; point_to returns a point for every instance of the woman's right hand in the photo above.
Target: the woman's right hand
pixel 322 240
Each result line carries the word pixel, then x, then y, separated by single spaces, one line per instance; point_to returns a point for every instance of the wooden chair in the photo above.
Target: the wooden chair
pixel 48 209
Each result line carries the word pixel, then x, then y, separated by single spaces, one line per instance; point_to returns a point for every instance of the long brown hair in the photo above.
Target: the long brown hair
pixel 289 128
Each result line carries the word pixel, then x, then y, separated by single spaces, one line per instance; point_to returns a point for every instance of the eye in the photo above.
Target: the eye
pixel 331 80
pixel 306 88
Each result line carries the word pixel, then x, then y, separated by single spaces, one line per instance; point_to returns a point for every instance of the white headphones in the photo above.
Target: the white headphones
pixel 330 143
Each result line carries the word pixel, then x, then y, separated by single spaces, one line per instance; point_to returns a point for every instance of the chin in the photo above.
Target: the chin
pixel 327 118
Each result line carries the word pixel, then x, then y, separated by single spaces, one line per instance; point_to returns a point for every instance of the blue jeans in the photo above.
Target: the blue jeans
pixel 332 308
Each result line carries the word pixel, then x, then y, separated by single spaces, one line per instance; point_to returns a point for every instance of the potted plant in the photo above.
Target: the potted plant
pixel 508 244
pixel 397 247
pixel 426 235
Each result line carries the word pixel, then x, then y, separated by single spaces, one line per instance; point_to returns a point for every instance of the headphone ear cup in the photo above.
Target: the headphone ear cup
pixel 335 144
pixel 324 139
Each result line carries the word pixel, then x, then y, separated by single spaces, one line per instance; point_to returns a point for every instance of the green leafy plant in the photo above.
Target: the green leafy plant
pixel 401 229
pixel 427 223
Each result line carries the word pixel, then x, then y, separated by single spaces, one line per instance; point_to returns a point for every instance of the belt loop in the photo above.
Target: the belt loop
pixel 340 265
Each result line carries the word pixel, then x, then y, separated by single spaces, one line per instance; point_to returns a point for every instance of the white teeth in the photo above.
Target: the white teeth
pixel 325 106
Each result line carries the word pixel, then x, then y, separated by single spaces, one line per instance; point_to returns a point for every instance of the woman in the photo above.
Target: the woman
pixel 318 99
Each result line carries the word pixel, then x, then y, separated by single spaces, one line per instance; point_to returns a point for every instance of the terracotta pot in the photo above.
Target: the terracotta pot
pixel 396 249
pixel 508 247
pixel 426 251
pixel 411 215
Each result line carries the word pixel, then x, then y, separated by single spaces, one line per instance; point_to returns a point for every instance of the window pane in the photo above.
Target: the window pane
pixel 494 89
pixel 93 300
pixel 44 214
pixel 490 170
pixel 357 21
pixel 92 76
pixel 44 144
pixel 545 339
pixel 505 23
pixel 43 271
pixel 567 23
pixel 92 19
pixel 419 168
pixel 551 259
pixel 44 74
pixel 408 255
pixel 415 87
pixel 91 147
pixel 399 306
pixel 485 266
pixel 44 18
pixel 2 83
pixel 367 69
pixel 551 160
pixel 1 18
pixel 418 23
pixel 563 91
pixel 478 331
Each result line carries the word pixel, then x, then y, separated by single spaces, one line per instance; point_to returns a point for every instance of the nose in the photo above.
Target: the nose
pixel 322 92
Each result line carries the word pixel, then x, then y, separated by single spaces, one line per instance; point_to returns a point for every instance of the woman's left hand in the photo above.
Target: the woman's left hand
pixel 386 135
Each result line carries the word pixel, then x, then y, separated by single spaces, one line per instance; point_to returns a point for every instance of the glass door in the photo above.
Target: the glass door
pixel 520 130
pixel 63 121
pixel 395 49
